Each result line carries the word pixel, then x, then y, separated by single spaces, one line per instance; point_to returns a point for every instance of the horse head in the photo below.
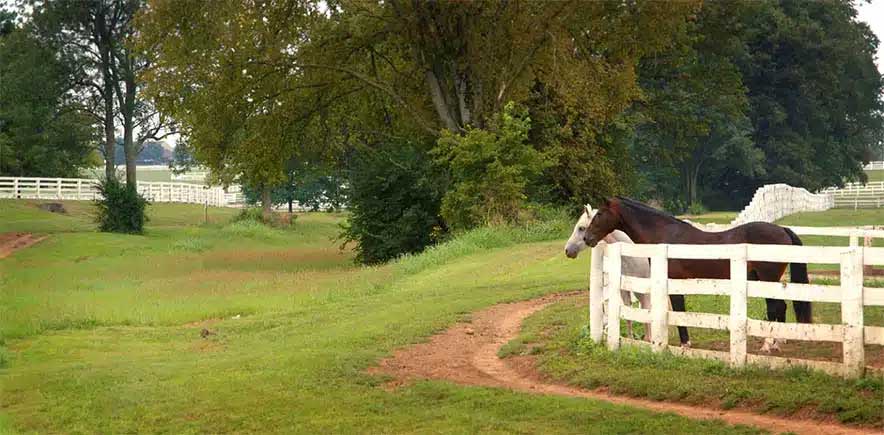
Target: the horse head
pixel 606 219
pixel 575 243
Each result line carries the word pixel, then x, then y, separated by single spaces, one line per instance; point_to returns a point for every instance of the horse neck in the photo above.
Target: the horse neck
pixel 641 226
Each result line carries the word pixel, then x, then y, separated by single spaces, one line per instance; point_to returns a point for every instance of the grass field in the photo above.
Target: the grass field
pixel 101 333
pixel 875 175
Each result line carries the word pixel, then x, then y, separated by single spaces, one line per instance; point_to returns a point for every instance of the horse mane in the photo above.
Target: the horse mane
pixel 651 210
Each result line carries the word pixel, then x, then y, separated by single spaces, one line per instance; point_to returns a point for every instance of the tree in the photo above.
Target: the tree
pixel 489 169
pixel 696 105
pixel 43 132
pixel 94 34
pixel 255 86
pixel 814 91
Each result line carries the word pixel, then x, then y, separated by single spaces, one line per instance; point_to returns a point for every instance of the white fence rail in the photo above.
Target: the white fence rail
pixel 858 195
pixel 775 201
pixel 83 189
pixel 874 166
pixel 850 294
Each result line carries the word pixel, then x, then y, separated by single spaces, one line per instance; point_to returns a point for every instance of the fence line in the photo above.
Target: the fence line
pixel 83 189
pixel 850 294
pixel 874 166
pixel 775 201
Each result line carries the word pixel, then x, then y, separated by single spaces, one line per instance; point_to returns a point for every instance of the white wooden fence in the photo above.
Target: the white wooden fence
pixel 774 201
pixel 858 195
pixel 874 166
pixel 606 278
pixel 85 190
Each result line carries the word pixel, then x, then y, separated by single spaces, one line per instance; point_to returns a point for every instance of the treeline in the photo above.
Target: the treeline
pixel 440 116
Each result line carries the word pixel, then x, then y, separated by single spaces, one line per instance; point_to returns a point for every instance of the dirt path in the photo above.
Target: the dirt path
pixel 11 242
pixel 467 354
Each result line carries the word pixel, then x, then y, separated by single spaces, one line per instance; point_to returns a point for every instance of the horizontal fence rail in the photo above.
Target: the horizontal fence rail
pixel 851 294
pixel 874 166
pixel 82 189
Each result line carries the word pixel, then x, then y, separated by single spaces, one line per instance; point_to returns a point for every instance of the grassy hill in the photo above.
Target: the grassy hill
pixel 101 333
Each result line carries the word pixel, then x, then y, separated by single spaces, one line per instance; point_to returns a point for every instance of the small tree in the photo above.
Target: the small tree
pixel 490 170
pixel 121 208
pixel 393 197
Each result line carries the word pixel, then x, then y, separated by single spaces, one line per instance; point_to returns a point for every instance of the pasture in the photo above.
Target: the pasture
pixel 102 333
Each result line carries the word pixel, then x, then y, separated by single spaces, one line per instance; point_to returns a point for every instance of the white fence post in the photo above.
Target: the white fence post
pixel 659 332
pixel 596 294
pixel 738 317
pixel 852 312
pixel 58 188
pixel 614 261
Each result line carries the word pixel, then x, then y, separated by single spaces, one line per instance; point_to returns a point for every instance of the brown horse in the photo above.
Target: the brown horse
pixel 644 224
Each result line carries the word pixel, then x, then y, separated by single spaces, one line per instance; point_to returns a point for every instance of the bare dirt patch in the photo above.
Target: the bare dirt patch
pixel 467 354
pixel 11 242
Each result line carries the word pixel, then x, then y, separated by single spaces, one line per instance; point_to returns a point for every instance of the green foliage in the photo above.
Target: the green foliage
pixel 43 132
pixel 121 208
pixel 393 202
pixel 255 216
pixel 313 187
pixel 490 169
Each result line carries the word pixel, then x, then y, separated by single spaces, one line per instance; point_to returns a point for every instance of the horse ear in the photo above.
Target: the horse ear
pixel 587 209
pixel 609 202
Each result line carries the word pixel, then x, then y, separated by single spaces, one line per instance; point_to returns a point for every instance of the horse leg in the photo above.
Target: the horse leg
pixel 776 312
pixel 626 297
pixel 678 304
pixel 776 308
pixel 644 301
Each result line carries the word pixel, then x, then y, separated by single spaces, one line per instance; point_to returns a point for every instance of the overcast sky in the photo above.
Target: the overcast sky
pixel 873 14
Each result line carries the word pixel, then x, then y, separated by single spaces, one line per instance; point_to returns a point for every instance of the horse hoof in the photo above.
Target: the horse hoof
pixel 686 345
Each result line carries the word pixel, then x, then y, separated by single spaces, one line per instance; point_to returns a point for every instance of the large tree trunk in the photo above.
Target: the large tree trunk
pixel 130 148
pixel 266 203
pixel 110 141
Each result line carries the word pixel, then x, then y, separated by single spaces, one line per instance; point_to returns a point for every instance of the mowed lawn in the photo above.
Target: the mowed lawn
pixel 102 333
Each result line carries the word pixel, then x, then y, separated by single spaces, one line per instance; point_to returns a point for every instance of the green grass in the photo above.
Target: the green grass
pixel 98 331
pixel 558 338
pixel 875 175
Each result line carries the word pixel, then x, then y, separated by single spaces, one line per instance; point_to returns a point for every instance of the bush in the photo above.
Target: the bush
pixel 490 170
pixel 256 215
pixel 121 209
pixel 697 209
pixel 394 199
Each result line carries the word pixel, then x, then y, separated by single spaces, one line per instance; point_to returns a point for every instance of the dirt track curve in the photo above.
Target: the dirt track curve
pixel 467 354
pixel 11 242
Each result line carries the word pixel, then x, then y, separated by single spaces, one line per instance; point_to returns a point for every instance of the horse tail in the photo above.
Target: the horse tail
pixel 798 273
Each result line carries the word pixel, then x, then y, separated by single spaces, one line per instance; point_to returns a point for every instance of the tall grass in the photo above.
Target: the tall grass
pixel 552 225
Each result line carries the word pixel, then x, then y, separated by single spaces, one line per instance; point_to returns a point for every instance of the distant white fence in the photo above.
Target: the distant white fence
pixel 83 189
pixel 775 201
pixel 874 166
pixel 858 195
pixel 606 278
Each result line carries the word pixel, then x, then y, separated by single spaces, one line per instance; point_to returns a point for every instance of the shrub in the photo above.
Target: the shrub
pixel 256 215
pixel 490 170
pixel 697 209
pixel 121 208
pixel 394 199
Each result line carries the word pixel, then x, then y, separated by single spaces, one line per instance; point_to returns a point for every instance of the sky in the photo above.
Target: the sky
pixel 873 15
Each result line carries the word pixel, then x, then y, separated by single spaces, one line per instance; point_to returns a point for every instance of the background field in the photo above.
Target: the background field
pixel 101 333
